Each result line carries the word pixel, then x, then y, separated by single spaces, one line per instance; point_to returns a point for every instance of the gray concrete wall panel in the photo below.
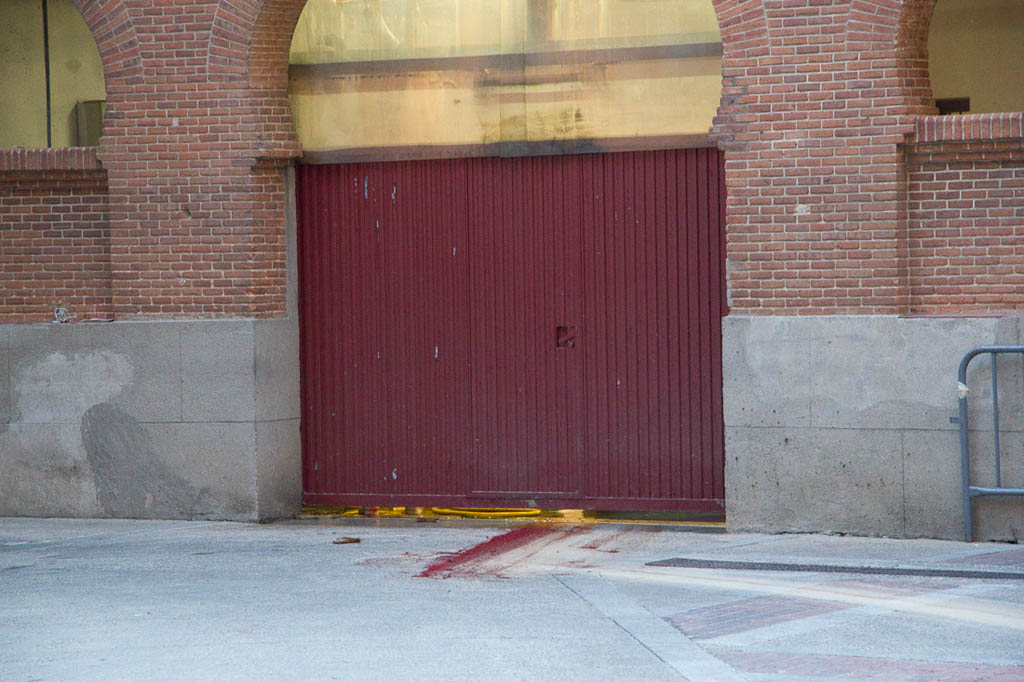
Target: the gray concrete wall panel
pixel 874 394
pixel 44 471
pixel 145 357
pixel 217 381
pixel 814 480
pixel 5 377
pixel 147 420
pixel 279 478
pixel 887 372
pixel 40 393
pixel 931 484
pixel 216 463
pixel 762 385
pixel 277 369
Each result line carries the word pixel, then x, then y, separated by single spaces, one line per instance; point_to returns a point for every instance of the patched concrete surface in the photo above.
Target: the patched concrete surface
pixel 51 384
pixel 146 420
pixel 45 471
pixel 131 480
pixel 218 460
pixel 841 424
pixel 152 350
pixel 892 373
pixel 156 600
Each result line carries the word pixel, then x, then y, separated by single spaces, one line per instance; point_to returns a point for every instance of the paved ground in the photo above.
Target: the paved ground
pixel 134 600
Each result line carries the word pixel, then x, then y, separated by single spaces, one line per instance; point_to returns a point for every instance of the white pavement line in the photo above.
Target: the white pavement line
pixel 949 607
pixel 657 636
pixel 816 623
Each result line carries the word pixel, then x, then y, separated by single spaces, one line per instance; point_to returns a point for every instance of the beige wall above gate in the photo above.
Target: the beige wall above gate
pixel 434 78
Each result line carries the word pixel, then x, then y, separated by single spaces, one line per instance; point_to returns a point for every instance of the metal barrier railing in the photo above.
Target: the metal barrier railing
pixel 969 491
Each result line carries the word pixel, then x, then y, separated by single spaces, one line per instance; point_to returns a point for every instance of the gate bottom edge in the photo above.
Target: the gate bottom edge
pixel 603 504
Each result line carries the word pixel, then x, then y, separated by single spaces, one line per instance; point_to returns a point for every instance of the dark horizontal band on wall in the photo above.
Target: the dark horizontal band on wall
pixel 503 83
pixel 507 149
pixel 302 72
pixel 602 503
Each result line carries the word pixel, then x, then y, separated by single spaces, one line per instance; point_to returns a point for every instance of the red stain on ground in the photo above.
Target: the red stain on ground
pixel 597 547
pixel 463 560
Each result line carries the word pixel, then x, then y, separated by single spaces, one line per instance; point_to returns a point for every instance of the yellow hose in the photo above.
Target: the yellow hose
pixel 496 513
pixel 388 512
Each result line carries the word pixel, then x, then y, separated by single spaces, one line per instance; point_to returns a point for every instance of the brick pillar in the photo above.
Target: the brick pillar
pixel 817 98
pixel 194 162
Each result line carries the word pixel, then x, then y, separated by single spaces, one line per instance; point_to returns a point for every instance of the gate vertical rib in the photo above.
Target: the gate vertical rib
pixel 707 319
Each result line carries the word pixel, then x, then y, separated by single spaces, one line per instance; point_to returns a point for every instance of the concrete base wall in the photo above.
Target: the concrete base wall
pixel 196 419
pixel 841 424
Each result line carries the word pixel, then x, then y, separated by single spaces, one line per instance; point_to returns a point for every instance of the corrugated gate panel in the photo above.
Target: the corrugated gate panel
pixel 511 331
pixel 523 260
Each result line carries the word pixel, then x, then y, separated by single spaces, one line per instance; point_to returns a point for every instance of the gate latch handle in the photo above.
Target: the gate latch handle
pixel 565 337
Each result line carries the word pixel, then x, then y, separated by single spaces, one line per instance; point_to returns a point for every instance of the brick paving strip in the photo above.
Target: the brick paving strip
pixel 709 622
pixel 1011 557
pixel 830 568
pixel 820 666
pixel 756 619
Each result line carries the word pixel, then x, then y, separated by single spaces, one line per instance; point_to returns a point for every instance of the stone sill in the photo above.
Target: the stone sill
pixel 969 128
pixel 53 159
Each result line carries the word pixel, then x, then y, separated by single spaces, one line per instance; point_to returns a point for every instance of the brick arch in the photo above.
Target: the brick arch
pixel 112 29
pixel 914 25
pixel 271 41
pixel 744 28
pixel 230 38
pixel 873 21
pixel 249 40
pixel 912 49
pixel 902 28
pixel 248 48
pixel 120 54
pixel 267 70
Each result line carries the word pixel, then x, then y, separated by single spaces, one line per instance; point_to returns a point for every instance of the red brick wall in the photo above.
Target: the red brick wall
pixel 54 236
pixel 819 119
pixel 966 212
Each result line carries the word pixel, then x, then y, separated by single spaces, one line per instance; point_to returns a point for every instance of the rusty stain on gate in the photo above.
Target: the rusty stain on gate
pixel 541 331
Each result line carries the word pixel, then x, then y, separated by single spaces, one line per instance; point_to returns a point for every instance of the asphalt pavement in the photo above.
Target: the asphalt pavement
pixel 395 600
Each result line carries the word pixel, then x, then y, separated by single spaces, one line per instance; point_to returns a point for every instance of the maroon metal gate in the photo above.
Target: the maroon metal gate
pixel 507 332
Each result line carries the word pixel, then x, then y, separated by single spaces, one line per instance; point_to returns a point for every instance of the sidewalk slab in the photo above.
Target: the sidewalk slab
pixel 170 600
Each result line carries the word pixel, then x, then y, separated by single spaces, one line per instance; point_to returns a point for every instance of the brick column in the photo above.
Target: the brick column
pixel 818 97
pixel 194 163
